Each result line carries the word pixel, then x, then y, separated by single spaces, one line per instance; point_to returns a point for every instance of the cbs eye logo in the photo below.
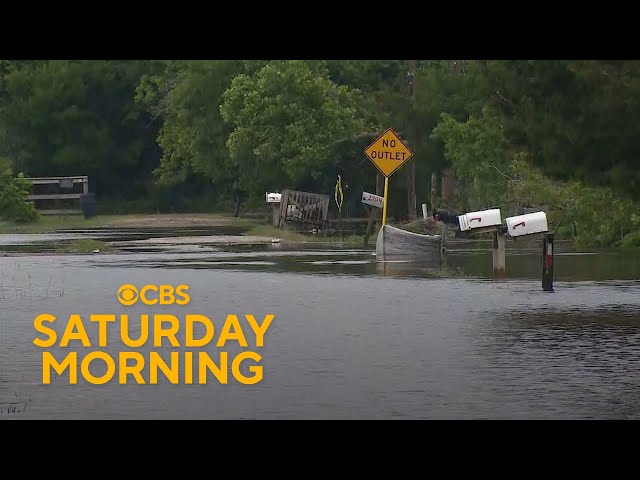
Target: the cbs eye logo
pixel 128 294
pixel 166 294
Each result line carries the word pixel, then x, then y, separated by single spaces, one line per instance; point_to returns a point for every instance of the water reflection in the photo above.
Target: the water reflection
pixel 581 360
pixel 609 266
pixel 354 337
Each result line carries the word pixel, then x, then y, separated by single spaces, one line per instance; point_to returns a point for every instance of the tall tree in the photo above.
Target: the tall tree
pixel 286 117
pixel 65 117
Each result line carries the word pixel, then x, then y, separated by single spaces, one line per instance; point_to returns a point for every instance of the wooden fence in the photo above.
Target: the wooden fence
pixel 303 208
pixel 57 192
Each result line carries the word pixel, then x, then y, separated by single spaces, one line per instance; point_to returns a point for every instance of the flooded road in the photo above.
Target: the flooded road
pixel 352 338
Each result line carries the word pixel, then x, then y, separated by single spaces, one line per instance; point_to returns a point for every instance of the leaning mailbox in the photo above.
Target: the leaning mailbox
pixel 482 219
pixel 527 224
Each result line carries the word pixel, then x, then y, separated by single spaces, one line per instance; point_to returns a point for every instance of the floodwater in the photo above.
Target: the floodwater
pixel 352 338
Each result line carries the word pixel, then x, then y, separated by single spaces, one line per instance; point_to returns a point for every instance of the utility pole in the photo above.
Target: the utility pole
pixel 411 167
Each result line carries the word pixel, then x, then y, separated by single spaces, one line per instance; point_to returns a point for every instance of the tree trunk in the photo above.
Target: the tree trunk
pixel 448 188
pixel 411 190
pixel 434 192
pixel 236 213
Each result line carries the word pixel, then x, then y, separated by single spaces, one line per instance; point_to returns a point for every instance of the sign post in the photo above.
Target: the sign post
pixel 384 202
pixel 388 153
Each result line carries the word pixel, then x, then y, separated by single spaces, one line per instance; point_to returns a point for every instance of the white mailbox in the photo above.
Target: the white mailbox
pixel 527 224
pixel 274 197
pixel 482 219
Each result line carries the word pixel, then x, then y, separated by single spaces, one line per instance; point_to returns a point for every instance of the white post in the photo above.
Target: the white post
pixel 424 211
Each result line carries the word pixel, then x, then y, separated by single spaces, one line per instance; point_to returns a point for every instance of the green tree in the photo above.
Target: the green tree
pixel 578 119
pixel 286 118
pixel 14 204
pixel 71 117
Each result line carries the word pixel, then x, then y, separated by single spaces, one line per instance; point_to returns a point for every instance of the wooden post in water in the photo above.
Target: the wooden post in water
pixel 275 212
pixel 443 239
pixel 371 212
pixel 499 254
pixel 547 262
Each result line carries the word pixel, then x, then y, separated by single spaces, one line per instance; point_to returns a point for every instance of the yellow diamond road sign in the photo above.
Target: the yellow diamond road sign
pixel 388 153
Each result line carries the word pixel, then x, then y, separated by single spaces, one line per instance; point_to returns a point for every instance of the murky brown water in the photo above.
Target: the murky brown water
pixel 352 338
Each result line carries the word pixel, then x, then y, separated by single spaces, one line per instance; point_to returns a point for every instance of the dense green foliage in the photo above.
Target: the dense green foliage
pixel 14 205
pixel 562 135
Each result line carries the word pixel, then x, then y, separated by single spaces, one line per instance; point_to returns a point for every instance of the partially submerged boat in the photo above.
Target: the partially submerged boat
pixel 396 244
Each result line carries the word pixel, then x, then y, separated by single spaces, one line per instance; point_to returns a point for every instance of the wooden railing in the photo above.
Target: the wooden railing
pixel 59 184
pixel 303 207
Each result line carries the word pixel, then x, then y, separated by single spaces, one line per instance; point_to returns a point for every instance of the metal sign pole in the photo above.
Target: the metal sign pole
pixel 384 202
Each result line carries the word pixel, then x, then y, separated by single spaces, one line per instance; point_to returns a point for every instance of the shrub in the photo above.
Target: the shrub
pixel 14 205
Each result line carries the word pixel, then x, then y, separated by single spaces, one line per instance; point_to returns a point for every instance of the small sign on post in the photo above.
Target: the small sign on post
pixel 373 200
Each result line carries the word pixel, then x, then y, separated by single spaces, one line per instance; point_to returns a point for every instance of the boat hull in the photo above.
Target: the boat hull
pixel 397 244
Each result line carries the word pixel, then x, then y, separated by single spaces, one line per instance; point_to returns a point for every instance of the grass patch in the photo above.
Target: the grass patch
pixel 85 245
pixel 53 223
pixel 272 232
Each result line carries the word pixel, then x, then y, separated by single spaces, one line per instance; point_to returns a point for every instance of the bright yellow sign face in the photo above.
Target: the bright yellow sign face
pixel 388 153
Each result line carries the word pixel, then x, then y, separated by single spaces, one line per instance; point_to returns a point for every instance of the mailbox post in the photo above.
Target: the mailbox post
pixel 536 224
pixel 488 221
pixel 274 199
pixel 499 254
pixel 547 262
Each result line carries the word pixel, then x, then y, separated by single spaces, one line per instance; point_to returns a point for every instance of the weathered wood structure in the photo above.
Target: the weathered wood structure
pixel 59 195
pixel 303 208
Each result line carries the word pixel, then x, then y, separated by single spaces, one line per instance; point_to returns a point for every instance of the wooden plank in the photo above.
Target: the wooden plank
pixel 54 180
pixel 284 203
pixel 304 207
pixel 325 210
pixel 55 196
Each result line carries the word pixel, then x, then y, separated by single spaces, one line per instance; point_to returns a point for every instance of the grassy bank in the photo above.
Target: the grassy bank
pixel 55 223
pixel 85 245
pixel 270 231
pixel 254 225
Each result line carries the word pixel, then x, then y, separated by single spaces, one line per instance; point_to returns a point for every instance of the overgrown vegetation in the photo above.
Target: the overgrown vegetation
pixel 293 236
pixel 85 245
pixel 186 136
pixel 14 204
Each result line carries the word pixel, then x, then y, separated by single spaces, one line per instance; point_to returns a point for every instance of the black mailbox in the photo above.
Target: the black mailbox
pixel 447 217
pixel 88 205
